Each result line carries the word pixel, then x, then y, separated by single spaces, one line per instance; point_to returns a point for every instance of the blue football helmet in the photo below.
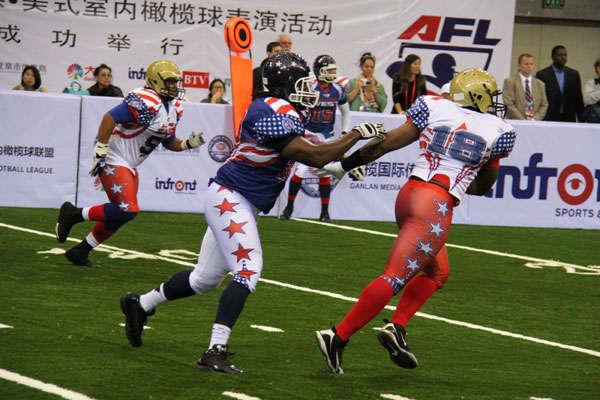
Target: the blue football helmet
pixel 325 69
pixel 287 76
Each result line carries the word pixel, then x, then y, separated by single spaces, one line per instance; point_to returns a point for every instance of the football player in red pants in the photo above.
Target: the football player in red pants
pixel 127 135
pixel 460 144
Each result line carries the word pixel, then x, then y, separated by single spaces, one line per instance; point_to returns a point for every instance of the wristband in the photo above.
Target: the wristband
pixel 185 144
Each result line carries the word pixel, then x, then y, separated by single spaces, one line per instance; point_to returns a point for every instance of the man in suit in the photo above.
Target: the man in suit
pixel 523 94
pixel 272 49
pixel 563 89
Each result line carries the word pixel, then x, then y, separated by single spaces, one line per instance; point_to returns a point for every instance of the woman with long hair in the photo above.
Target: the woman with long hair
pixel 408 84
pixel 366 93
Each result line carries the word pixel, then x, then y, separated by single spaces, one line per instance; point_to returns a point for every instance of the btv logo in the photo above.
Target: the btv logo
pixel 195 79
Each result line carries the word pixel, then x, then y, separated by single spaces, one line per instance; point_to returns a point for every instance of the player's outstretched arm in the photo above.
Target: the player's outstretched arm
pixel 194 140
pixel 307 153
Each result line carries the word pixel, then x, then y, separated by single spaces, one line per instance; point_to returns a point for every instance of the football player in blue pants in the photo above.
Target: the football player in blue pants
pixel 271 139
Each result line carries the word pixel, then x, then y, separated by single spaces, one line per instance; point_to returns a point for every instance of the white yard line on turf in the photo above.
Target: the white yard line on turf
pixel 44 387
pixel 335 295
pixel 533 262
pixel 240 396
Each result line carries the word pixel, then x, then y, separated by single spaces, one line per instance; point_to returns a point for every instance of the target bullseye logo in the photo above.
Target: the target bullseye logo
pixel 575 184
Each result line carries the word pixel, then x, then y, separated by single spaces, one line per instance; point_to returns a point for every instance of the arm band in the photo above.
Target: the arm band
pixel 355 160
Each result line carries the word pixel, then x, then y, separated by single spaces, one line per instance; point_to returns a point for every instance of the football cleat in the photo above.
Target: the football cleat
pixel 215 359
pixel 135 318
pixel 287 213
pixel 393 338
pixel 332 346
pixel 67 217
pixel 325 217
pixel 78 255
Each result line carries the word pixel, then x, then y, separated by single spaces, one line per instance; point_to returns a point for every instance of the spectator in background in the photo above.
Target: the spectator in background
pixel 216 90
pixel 445 91
pixel 257 87
pixel 366 93
pixel 285 41
pixel 591 97
pixel 408 84
pixel 563 89
pixel 30 80
pixel 523 94
pixel 103 85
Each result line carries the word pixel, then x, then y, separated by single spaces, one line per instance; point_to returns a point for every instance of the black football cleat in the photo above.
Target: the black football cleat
pixel 78 255
pixel 393 338
pixel 325 217
pixel 215 359
pixel 287 213
pixel 332 346
pixel 135 318
pixel 67 217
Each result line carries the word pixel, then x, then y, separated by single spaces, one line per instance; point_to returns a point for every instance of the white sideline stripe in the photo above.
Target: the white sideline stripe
pixel 266 328
pixel 44 387
pixel 491 252
pixel 541 398
pixel 145 326
pixel 240 396
pixel 2 326
pixel 393 397
pixel 351 299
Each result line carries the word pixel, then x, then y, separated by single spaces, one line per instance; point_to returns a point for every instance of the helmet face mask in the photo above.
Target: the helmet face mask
pixel 477 89
pixel 287 76
pixel 165 79
pixel 325 68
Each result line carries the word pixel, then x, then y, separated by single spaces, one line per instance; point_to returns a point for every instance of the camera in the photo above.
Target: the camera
pixel 367 82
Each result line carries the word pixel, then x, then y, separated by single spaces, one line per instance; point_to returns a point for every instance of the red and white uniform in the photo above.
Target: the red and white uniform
pixel 131 143
pixel 454 144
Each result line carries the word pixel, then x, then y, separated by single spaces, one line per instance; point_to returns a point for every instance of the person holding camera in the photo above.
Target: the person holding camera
pixel 366 93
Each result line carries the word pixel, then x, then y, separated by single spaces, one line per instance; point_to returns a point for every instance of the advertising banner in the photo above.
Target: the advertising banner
pixel 66 40
pixel 39 137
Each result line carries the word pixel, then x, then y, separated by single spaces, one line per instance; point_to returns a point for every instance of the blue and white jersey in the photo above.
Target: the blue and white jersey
pixel 256 168
pixel 456 142
pixel 322 116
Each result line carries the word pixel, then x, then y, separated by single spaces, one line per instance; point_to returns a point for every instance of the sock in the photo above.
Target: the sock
pixel 295 185
pixel 178 286
pixel 91 241
pixel 95 213
pixel 370 303
pixel 220 335
pixel 153 298
pixel 231 303
pixel 325 192
pixel 414 295
pixel 100 233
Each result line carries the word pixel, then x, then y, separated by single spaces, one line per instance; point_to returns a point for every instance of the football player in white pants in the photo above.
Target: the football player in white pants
pixel 271 139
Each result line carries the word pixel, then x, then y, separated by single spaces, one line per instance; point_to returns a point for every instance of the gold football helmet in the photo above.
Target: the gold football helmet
pixel 164 77
pixel 477 89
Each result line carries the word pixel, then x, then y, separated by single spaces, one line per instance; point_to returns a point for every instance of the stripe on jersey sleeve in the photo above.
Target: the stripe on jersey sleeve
pixel 140 110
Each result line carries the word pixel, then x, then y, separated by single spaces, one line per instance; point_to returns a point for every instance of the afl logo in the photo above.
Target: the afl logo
pixel 220 148
pixel 287 124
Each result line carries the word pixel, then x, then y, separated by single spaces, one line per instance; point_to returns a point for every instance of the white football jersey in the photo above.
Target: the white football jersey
pixel 130 143
pixel 457 142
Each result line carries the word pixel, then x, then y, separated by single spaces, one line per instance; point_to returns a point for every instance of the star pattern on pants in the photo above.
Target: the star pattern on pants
pixel 242 253
pixel 234 228
pixel 425 247
pixel 124 206
pixel 413 265
pixel 243 275
pixel 221 188
pixel 117 188
pixel 226 206
pixel 109 171
pixel 442 208
pixel 436 228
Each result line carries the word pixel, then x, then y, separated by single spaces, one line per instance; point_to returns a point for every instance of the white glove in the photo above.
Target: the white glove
pixel 357 174
pixel 194 140
pixel 334 168
pixel 371 129
pixel 99 159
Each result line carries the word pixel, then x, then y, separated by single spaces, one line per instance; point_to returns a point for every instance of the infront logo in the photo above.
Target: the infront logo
pixel 193 79
pixel 575 183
